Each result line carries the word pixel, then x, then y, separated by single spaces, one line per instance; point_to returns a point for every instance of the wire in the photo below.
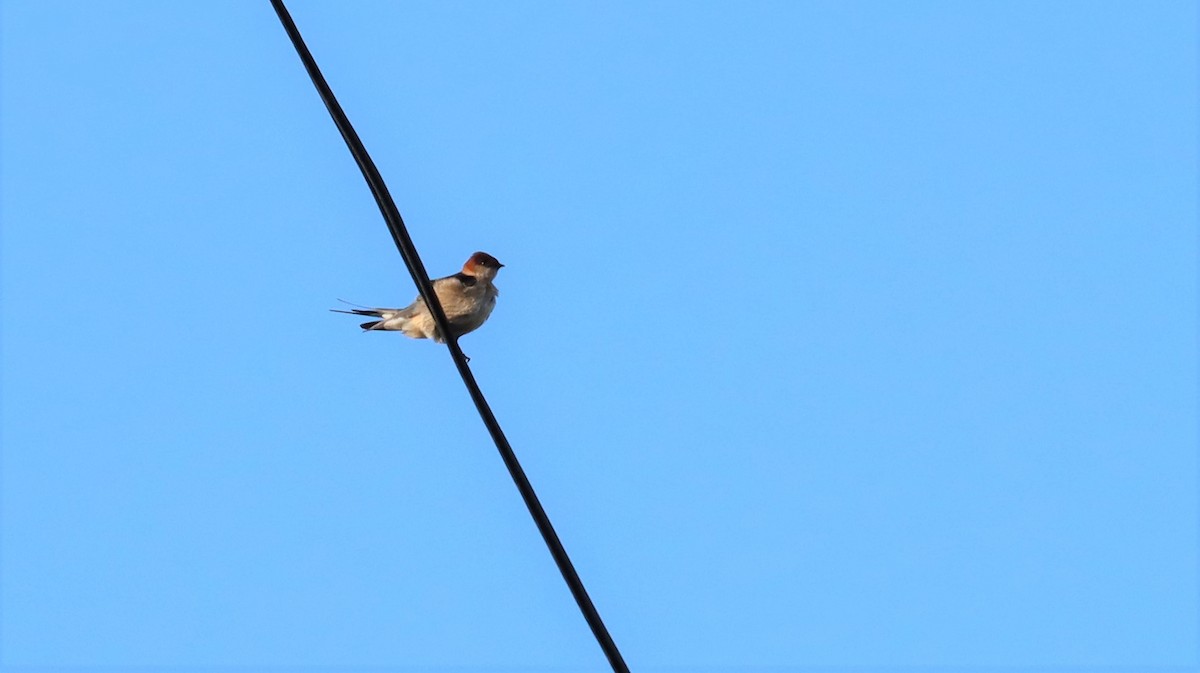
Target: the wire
pixel 415 267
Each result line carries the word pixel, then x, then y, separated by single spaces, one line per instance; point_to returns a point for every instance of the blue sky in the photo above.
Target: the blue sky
pixel 833 336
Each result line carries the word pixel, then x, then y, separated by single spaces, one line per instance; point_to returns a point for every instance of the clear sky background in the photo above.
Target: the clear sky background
pixel 833 335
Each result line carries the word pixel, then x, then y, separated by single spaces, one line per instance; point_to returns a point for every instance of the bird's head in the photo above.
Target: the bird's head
pixel 482 265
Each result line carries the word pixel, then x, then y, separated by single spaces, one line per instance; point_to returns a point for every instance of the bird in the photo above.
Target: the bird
pixel 467 298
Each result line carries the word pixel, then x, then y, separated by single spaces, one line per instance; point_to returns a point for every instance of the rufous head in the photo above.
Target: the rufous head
pixel 482 265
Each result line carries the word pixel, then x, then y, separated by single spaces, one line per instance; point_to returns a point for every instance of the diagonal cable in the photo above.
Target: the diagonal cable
pixel 413 261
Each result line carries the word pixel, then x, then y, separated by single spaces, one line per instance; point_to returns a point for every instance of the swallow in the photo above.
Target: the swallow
pixel 467 298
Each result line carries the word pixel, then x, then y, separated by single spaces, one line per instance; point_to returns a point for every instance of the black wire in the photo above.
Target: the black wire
pixel 413 261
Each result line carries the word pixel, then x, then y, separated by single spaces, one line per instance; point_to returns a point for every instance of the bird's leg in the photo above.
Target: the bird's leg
pixel 465 356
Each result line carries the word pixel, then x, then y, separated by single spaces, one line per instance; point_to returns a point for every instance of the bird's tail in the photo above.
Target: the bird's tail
pixel 369 325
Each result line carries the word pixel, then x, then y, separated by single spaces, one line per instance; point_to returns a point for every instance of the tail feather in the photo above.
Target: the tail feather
pixel 371 325
pixel 390 318
pixel 356 311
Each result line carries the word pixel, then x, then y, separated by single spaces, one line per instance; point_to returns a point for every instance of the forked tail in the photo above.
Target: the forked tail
pixel 371 325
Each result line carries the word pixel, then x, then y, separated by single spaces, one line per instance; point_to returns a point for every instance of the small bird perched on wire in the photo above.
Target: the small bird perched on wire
pixel 467 297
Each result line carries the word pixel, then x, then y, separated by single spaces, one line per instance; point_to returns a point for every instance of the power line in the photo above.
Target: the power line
pixel 413 261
